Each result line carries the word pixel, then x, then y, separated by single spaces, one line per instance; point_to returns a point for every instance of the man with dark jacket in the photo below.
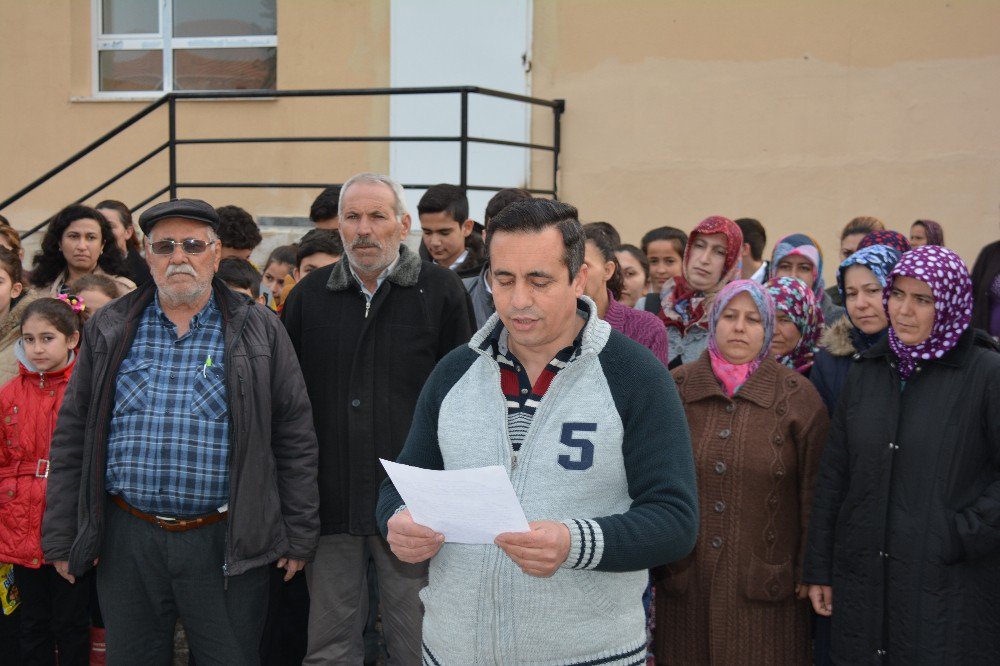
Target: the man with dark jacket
pixel 184 459
pixel 368 331
pixel 450 237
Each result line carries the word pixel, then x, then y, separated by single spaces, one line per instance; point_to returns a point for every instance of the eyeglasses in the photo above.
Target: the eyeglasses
pixel 189 245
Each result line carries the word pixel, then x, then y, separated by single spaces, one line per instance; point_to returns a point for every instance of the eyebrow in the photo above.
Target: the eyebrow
pixel 529 274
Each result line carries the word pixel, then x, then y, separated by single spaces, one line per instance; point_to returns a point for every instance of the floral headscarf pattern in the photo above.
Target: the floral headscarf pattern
pixel 683 307
pixel 879 259
pixel 804 246
pixel 892 239
pixel 731 375
pixel 795 299
pixel 948 277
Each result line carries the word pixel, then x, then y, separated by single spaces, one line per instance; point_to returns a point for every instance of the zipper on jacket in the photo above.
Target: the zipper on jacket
pixel 368 307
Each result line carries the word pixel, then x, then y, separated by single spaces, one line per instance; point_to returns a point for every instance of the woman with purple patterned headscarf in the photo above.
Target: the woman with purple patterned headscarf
pixel 926 232
pixel 757 430
pixel 905 528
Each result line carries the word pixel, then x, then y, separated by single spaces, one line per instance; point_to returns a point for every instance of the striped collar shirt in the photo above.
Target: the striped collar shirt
pixel 523 397
pixel 168 441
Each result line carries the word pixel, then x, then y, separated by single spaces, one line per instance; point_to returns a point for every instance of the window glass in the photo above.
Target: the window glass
pixel 128 17
pixel 131 70
pixel 224 18
pixel 225 69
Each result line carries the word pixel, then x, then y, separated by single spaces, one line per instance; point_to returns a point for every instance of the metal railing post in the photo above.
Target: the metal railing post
pixel 464 141
pixel 557 111
pixel 172 150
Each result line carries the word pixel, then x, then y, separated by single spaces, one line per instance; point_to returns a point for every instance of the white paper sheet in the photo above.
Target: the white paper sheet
pixel 465 505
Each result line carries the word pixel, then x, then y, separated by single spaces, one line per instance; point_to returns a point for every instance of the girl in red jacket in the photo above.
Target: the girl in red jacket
pixel 54 612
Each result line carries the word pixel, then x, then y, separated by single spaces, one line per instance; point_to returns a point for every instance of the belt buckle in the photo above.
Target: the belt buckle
pixel 167 521
pixel 39 474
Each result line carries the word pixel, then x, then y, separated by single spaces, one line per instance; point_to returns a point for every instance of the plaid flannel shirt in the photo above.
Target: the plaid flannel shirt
pixel 168 442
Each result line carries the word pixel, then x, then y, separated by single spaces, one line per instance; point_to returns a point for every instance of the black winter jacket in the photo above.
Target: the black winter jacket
pixel 983 272
pixel 905 522
pixel 364 369
pixel 273 496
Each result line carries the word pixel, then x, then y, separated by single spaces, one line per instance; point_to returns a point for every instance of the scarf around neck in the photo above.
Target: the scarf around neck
pixel 803 246
pixel 947 276
pixel 682 306
pixel 792 297
pixel 734 375
pixel 880 260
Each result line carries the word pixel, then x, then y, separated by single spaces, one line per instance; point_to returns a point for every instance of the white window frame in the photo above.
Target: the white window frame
pixel 162 41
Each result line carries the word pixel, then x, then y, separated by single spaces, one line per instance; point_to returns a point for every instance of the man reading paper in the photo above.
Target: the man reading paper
pixel 590 429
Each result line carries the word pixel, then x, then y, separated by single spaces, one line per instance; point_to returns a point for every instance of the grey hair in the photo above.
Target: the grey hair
pixel 375 179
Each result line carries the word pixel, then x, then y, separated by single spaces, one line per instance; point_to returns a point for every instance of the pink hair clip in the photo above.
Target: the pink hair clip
pixel 74 302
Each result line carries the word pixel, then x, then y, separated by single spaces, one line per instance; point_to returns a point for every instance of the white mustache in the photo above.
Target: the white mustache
pixel 183 269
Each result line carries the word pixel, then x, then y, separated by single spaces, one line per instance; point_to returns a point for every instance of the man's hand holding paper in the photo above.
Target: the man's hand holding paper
pixel 465 505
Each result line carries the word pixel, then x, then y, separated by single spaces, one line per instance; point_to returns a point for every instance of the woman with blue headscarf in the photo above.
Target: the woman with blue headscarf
pixel 799 256
pixel 860 279
pixel 757 430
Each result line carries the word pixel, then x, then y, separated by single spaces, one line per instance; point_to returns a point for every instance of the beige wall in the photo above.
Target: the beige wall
pixel 45 71
pixel 802 114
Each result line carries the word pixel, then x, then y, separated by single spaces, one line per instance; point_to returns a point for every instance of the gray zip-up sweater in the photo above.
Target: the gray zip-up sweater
pixel 608 453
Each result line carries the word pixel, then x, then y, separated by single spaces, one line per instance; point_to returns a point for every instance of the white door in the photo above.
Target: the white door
pixel 484 43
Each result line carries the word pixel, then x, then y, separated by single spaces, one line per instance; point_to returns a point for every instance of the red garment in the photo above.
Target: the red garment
pixel 683 307
pixel 29 405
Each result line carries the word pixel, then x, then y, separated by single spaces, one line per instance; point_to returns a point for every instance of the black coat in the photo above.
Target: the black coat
pixel 983 272
pixel 905 522
pixel 364 373
pixel 273 499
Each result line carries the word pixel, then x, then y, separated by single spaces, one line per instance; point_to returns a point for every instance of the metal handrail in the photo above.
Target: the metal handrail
pixel 172 142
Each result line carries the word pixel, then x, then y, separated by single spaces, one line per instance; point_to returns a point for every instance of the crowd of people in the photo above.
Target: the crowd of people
pixel 709 443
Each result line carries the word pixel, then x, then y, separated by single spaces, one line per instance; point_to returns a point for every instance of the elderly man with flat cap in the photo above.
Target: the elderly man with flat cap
pixel 184 460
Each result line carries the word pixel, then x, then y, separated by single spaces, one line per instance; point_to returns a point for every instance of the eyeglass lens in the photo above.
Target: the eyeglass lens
pixel 189 245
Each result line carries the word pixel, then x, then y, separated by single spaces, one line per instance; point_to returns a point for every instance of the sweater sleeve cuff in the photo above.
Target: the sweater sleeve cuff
pixel 586 544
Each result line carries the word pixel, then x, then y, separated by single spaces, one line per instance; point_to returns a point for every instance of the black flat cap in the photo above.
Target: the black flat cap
pixel 188 209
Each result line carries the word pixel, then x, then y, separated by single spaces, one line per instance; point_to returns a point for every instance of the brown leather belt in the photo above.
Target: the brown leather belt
pixel 171 524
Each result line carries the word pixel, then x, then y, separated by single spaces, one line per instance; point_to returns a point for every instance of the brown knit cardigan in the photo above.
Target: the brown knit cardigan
pixel 732 601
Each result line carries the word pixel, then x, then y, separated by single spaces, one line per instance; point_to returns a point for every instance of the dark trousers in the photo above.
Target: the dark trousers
pixel 54 614
pixel 148 578
pixel 10 638
pixel 284 641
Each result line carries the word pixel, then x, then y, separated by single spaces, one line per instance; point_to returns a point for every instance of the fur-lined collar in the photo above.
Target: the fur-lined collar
pixel 405 274
pixel 837 338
